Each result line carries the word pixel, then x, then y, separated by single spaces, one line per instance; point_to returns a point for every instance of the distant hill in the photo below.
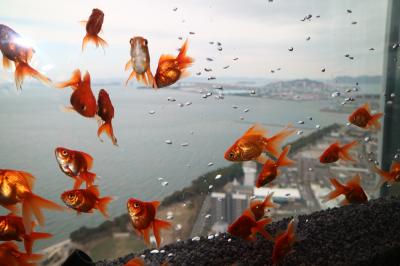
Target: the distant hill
pixel 360 79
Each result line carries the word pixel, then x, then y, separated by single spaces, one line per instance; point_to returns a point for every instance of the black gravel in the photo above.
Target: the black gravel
pixel 366 234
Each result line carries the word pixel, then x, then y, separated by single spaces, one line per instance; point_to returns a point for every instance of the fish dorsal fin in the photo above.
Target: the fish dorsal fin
pixel 355 181
pixel 88 159
pixel 256 129
pixel 395 166
pixel 86 78
pixel 30 179
pixel 94 190
pixel 155 204
pixel 366 107
pixel 165 57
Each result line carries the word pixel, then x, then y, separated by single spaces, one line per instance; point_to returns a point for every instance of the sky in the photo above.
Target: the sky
pixel 258 32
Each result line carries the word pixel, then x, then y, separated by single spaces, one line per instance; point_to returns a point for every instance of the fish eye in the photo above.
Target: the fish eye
pixel 131 41
pixel 71 196
pixel 145 42
pixel 231 155
pixel 136 205
pixel 64 152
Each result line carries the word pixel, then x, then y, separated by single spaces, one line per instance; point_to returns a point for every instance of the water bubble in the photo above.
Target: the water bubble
pixel 309 118
pixel 241 118
pixel 323 70
pixel 225 67
pixel 310 169
pixel 178 227
pixel 219 49
pixel 230 239
pixel 152 112
pixel 348 124
pixel 291 49
pixel 355 89
pixel 395 46
pixel 210 164
pixel 155 251
pixel 171 99
pixel 168 141
pixel 204 96
pixel 318 126
pixel 210 237
pixel 162 251
pixel 184 144
pixel 367 139
pixel 210 186
pixel 219 199
pixel 180 104
pixel 246 110
pixel 170 215
pixel 397 156
pixel 170 254
pixel 188 103
pixel 348 90
pixel 308 38
pixel 301 122
pixel 252 92
pixel 164 184
pixel 209 94
pixel 389 102
pixel 196 238
pixel 335 94
pixel 234 107
pixel 392 95
pixel 207 216
pixel 209 59
pixel 300 132
pixel 160 178
pixel 218 176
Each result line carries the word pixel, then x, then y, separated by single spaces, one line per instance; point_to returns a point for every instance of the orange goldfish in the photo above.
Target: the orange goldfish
pixel 257 207
pixel 270 169
pixel 105 111
pixel 86 200
pixel 253 143
pixel 12 228
pixel 171 69
pixel 137 261
pixel 140 62
pixel 246 226
pixel 143 218
pixel 352 191
pixel 16 187
pixel 363 118
pixel 11 256
pixel 93 27
pixel 13 49
pixel 391 176
pixel 82 99
pixel 334 152
pixel 284 242
pixel 76 164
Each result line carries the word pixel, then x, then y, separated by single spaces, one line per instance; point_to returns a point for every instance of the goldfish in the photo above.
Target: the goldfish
pixel 82 99
pixel 93 27
pixel 363 118
pixel 170 69
pixel 270 169
pixel 76 164
pixel 352 191
pixel 257 207
pixel 140 62
pixel 12 228
pixel 143 218
pixel 253 143
pixel 16 187
pixel 86 200
pixel 14 48
pixel 137 261
pixel 284 242
pixel 335 152
pixel 246 226
pixel 11 256
pixel 391 176
pixel 105 110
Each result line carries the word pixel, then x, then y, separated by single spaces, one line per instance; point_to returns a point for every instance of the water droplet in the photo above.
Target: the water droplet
pixel 230 239
pixel 335 94
pixel 207 216
pixel 209 94
pixel 162 251
pixel 348 124
pixel 392 95
pixel 301 122
pixel 164 184
pixel 218 176
pixel 210 186
pixel 196 238
pixel 152 112
pixel 234 107
pixel 389 102
pixel 291 49
pixel 397 156
pixel 309 118
pixel 367 139
pixel 188 103
pixel 252 92
pixel 171 99
pixel 184 144
pixel 323 70
pixel 395 46
pixel 310 169
pixel 300 132
pixel 180 104
pixel 170 215
pixel 170 254
pixel 210 164
pixel 210 237
pixel 246 110
pixel 168 141
pixel 155 251
pixel 241 118
pixel 318 126
pixel 178 227
pixel 160 178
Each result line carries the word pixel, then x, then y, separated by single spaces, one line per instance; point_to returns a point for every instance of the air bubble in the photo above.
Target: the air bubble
pixel 210 164
pixel 168 141
pixel 301 122
pixel 184 144
pixel 246 110
pixel 318 126
pixel 164 184
pixel 335 94
pixel 300 132
pixel 218 176
pixel 152 112
pixel 207 216
pixel 155 251
pixel 196 238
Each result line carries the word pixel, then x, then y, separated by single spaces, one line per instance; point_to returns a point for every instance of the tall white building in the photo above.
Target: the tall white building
pixel 250 170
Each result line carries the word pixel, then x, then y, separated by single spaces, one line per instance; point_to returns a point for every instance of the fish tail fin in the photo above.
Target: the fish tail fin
pixel 131 76
pixel 291 229
pixel 29 239
pixel 34 204
pixel 268 201
pixel 374 122
pixel 385 177
pixel 339 190
pixel 261 228
pixel 72 82
pixel 98 41
pixel 108 129
pixel 23 69
pixel 283 160
pixel 102 205
pixel 344 151
pixel 146 236
pixel 88 177
pixel 183 60
pixel 157 226
pixel 273 144
pixel 135 262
